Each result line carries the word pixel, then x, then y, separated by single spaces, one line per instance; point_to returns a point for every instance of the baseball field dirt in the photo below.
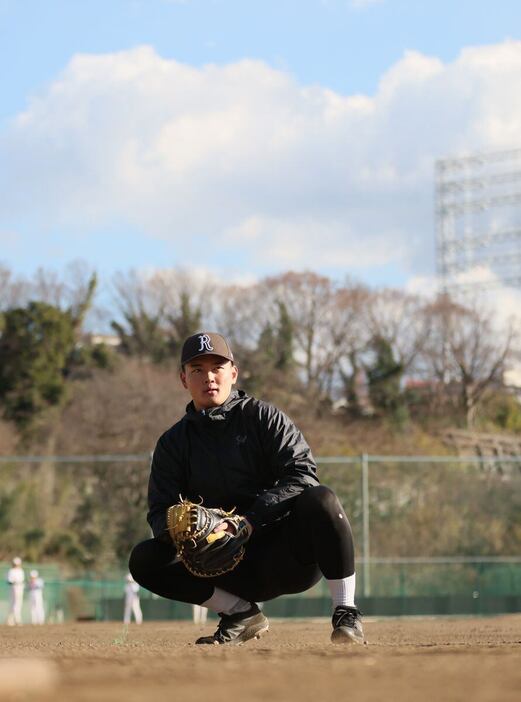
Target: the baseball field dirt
pixel 472 660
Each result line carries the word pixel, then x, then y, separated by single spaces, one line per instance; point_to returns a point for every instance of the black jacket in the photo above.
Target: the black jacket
pixel 245 454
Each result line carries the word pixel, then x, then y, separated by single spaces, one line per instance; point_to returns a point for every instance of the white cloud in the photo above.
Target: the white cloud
pixel 424 285
pixel 479 287
pixel 240 159
pixel 308 242
pixel 491 293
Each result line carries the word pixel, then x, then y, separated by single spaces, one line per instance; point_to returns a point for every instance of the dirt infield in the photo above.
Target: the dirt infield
pixel 405 659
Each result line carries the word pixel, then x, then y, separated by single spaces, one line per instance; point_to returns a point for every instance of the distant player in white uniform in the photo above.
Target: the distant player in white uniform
pixel 36 598
pixel 132 604
pixel 16 580
pixel 200 614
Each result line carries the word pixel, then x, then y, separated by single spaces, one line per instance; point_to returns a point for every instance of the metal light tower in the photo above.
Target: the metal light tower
pixel 478 219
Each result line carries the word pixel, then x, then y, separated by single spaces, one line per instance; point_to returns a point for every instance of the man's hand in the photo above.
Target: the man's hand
pixel 225 526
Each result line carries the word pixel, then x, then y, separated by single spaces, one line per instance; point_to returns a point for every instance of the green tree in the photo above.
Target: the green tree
pixel 266 346
pixel 384 378
pixel 187 322
pixel 270 365
pixel 143 336
pixel 36 348
pixel 157 336
pixel 284 339
pixel 275 344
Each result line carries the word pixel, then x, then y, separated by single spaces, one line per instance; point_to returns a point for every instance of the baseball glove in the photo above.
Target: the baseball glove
pixel 203 551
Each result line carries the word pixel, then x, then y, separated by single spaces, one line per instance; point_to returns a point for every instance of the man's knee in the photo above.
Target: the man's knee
pixel 137 559
pixel 146 558
pixel 319 498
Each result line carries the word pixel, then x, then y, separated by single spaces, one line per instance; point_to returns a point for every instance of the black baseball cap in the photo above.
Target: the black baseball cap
pixel 203 344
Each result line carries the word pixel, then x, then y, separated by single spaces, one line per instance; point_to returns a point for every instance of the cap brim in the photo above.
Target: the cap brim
pixel 206 353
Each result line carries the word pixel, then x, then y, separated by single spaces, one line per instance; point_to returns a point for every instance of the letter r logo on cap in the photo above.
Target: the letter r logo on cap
pixel 205 343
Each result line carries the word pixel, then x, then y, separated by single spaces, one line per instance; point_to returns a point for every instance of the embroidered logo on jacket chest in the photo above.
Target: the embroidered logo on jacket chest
pixel 240 439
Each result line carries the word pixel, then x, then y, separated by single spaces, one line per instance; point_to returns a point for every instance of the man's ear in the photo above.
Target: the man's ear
pixel 235 373
pixel 182 377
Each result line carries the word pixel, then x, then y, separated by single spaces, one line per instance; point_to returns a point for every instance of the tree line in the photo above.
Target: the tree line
pixel 341 346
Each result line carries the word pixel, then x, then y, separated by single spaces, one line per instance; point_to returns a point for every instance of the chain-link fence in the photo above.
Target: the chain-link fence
pixel 432 534
pixel 408 510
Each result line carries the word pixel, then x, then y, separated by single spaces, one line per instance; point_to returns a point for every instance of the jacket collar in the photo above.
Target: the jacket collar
pixel 215 414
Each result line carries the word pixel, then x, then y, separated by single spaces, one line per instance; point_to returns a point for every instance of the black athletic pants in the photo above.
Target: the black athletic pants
pixel 315 539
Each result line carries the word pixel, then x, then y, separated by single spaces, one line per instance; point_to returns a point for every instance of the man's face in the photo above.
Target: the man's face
pixel 209 380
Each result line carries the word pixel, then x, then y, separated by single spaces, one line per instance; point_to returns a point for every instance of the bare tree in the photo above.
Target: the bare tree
pixel 48 286
pixel 13 291
pixel 243 312
pixel 133 295
pixel 159 310
pixel 352 333
pixel 400 319
pixel 310 301
pixel 66 289
pixel 141 326
pixel 326 322
pixel 189 301
pixel 468 350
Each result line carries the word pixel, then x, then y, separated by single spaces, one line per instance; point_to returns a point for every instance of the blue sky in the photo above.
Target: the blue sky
pixel 335 43
pixel 244 137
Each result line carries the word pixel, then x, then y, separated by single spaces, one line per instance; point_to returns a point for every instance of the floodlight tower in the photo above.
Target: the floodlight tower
pixel 478 219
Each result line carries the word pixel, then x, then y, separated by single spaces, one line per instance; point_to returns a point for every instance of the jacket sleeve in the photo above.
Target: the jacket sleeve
pixel 290 462
pixel 165 484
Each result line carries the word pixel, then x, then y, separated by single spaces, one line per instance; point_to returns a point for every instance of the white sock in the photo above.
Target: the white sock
pixel 343 591
pixel 226 603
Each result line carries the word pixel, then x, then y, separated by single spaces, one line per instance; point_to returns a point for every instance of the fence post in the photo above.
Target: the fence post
pixel 365 524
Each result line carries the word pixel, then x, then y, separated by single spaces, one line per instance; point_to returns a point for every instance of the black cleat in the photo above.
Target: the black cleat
pixel 347 626
pixel 235 629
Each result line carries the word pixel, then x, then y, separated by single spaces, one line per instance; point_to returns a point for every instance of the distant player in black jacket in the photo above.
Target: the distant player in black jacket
pixel 234 451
